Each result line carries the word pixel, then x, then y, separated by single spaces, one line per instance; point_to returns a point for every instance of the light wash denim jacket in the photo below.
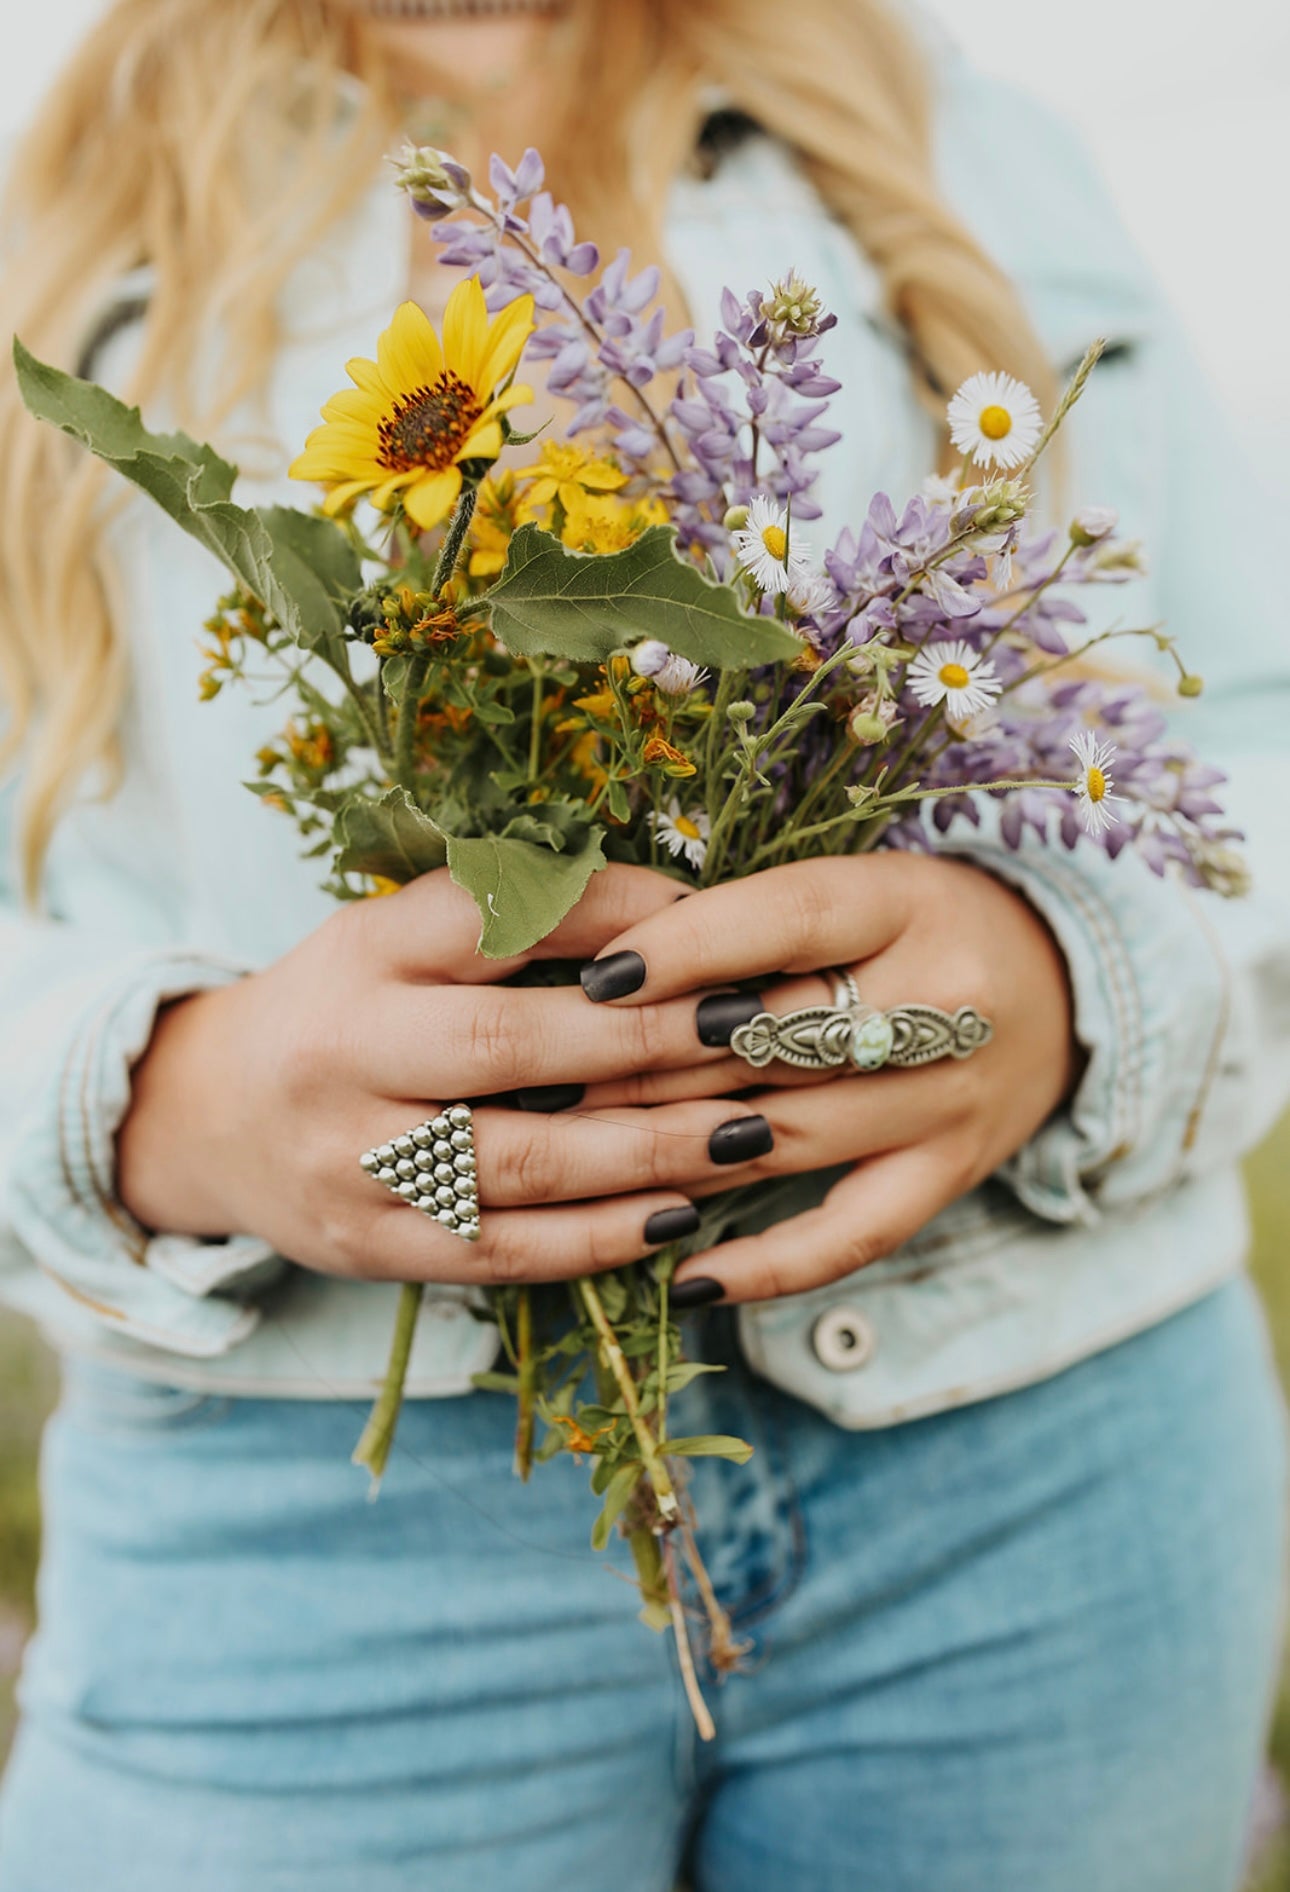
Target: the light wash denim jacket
pixel 1119 1211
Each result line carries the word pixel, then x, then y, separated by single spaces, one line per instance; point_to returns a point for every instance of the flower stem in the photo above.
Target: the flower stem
pixel 527 1395
pixel 612 1355
pixel 373 1449
pixel 698 1707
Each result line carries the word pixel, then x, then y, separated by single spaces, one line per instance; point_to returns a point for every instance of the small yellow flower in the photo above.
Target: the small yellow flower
pixel 609 524
pixel 567 471
pixel 499 512
pixel 420 409
pixel 380 887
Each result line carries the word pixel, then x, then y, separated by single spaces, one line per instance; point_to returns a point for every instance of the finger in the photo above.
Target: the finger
pixel 535 1244
pixel 526 1160
pixel 702 1146
pixel 794 918
pixel 430 928
pixel 477 1041
pixel 864 1217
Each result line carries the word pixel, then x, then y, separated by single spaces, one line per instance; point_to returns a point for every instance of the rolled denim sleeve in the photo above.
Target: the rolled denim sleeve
pixel 73 1032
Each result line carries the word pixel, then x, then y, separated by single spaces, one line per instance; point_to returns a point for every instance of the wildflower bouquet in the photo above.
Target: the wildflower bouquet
pixel 624 649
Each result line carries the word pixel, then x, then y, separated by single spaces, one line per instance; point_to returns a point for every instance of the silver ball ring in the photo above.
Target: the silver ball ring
pixel 432 1167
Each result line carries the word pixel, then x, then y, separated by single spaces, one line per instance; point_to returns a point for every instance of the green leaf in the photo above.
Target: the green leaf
pixel 496 714
pixel 709 1445
pixel 551 601
pixel 620 1489
pixel 390 837
pixel 301 567
pixel 522 890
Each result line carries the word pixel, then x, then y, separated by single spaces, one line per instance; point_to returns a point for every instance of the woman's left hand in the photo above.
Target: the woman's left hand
pixel 913 929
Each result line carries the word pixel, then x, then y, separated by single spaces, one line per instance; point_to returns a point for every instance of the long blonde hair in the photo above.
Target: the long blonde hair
pixel 140 155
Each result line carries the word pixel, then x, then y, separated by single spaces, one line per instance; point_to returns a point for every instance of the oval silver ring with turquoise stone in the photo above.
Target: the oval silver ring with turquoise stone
pixel 827 1037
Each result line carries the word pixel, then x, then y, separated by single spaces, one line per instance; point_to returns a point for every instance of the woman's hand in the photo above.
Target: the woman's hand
pixel 253 1102
pixel 913 929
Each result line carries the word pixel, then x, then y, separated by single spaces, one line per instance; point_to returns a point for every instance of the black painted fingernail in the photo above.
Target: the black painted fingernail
pixel 548 1097
pixel 740 1140
pixel 718 1015
pixel 613 978
pixel 669 1225
pixel 696 1291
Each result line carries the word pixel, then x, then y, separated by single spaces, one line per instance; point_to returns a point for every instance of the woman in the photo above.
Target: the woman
pixel 1007 1555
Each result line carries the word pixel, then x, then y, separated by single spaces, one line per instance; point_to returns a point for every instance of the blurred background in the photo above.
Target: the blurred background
pixel 1191 127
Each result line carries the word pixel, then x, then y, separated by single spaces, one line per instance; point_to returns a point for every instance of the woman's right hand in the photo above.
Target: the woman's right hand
pixel 253 1102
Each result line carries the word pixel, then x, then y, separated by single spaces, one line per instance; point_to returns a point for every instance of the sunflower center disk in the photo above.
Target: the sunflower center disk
pixel 426 427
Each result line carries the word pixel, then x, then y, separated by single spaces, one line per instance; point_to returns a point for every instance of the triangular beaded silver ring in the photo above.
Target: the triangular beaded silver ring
pixel 432 1168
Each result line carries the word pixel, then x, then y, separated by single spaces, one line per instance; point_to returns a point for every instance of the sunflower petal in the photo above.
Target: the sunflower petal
pixel 465 332
pixel 341 496
pixel 504 345
pixel 353 404
pixel 366 375
pixel 385 491
pixel 408 352
pixel 433 497
pixel 483 442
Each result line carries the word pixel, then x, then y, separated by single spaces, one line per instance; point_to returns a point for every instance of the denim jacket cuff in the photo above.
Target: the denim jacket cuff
pixel 173 1292
pixel 1150 1006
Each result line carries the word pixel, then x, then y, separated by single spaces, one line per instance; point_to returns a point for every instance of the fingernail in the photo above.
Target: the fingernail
pixel 613 978
pixel 669 1225
pixel 717 1016
pixel 740 1140
pixel 697 1290
pixel 549 1097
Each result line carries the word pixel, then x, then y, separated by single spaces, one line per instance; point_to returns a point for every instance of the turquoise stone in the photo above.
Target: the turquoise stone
pixel 871 1042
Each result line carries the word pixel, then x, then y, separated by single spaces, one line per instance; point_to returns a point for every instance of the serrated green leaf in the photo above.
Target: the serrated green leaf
pixel 617 1494
pixel 709 1445
pixel 301 567
pixel 554 602
pixel 390 837
pixel 522 890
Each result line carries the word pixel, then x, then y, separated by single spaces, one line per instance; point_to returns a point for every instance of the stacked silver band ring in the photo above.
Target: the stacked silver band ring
pixel 432 1168
pixel 825 1037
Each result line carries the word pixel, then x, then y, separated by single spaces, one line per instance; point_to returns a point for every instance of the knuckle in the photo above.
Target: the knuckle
pixel 492 1043
pixel 530 1166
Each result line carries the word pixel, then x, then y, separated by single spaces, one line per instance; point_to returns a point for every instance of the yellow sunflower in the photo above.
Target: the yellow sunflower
pixel 420 409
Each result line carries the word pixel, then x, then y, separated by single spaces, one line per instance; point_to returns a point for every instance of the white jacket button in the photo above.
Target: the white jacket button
pixel 842 1339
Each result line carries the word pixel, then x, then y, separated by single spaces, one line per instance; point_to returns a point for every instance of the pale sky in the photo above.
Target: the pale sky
pixel 1186 106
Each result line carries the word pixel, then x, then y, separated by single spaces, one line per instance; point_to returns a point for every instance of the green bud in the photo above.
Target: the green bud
pixel 742 712
pixel 1191 684
pixel 1093 524
pixel 867 728
pixel 736 519
pixel 792 307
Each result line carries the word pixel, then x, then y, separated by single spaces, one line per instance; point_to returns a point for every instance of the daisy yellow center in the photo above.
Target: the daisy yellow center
pixel 995 422
pixel 775 539
pixel 428 426
pixel 954 676
pixel 1095 783
pixel 685 826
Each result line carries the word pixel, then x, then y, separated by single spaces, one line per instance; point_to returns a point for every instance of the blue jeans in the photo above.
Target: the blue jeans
pixel 1026 1646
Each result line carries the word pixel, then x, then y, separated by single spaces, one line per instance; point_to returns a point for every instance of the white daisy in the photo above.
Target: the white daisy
pixel 678 676
pixel 953 674
pixel 812 594
pixel 1094 786
pixel 995 419
pixel 762 548
pixel 682 834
